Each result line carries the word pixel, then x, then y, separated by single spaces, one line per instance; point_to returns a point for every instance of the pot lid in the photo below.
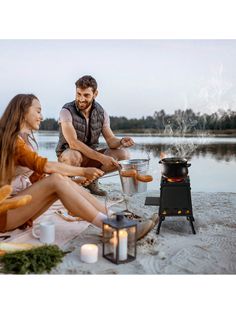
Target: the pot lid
pixel 174 160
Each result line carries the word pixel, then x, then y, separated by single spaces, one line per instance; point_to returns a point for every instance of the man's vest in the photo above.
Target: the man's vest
pixel 96 119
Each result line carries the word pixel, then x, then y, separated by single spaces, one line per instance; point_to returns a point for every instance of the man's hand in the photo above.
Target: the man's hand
pixel 127 142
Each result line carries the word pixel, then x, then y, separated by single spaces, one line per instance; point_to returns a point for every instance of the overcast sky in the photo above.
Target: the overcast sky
pixel 135 77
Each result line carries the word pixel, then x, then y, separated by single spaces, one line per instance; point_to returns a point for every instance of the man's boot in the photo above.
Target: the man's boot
pixel 94 189
pixel 144 227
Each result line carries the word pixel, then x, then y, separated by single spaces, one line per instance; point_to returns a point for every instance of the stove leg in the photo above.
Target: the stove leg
pixel 159 224
pixel 191 219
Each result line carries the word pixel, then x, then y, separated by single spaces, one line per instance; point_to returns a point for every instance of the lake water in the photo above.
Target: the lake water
pixel 213 160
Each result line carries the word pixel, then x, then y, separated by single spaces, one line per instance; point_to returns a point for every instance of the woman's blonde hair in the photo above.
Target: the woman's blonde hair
pixel 10 125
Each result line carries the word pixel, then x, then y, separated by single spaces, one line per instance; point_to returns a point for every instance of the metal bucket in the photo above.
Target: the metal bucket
pixel 130 185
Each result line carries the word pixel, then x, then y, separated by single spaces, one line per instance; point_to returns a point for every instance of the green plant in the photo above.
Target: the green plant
pixel 35 261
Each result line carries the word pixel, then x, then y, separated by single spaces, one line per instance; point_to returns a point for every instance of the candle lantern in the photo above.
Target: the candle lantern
pixel 119 239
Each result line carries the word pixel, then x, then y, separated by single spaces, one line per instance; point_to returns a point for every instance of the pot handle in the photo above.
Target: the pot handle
pixel 188 165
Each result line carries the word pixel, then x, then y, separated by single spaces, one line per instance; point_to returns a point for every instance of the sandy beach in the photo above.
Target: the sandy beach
pixel 212 250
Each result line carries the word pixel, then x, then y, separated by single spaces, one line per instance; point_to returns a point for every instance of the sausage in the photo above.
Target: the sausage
pixel 128 173
pixel 144 178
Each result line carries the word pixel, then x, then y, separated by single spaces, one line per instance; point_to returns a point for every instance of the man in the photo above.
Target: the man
pixel 82 121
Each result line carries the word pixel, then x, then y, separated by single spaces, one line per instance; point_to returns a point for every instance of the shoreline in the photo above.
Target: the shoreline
pixel 153 134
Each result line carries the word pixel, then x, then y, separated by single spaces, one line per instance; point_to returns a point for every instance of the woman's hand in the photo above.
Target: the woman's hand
pixel 109 163
pixel 80 180
pixel 88 176
pixel 92 174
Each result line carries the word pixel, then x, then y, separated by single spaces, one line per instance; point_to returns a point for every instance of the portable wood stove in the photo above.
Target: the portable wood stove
pixel 174 200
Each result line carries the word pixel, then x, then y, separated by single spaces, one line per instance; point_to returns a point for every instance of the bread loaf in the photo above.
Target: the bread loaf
pixel 12 246
pixel 2 252
pixel 15 202
pixel 5 191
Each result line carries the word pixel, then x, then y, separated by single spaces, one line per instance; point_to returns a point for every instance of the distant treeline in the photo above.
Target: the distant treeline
pixel 49 124
pixel 182 121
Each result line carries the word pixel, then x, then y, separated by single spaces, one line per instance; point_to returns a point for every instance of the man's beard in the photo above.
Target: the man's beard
pixel 84 105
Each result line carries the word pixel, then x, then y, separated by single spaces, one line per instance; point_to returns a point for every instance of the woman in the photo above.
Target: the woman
pixel 19 160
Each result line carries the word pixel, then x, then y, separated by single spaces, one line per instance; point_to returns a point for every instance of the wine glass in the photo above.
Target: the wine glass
pixel 112 203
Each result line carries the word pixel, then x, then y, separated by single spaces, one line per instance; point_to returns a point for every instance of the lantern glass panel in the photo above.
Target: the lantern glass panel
pixel 109 244
pixel 132 241
pixel 119 240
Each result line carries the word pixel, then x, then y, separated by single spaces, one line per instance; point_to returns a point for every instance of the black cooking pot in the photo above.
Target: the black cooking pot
pixel 174 167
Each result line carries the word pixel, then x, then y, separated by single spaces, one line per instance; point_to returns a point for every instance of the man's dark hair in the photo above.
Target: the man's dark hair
pixel 87 81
